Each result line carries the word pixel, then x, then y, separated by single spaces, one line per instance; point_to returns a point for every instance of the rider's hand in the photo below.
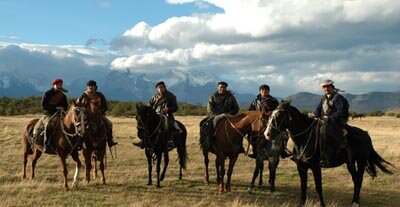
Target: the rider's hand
pixel 311 115
pixel 325 118
pixel 60 108
pixel 164 110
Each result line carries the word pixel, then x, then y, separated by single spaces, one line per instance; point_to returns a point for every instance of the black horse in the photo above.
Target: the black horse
pixel 303 130
pixel 154 133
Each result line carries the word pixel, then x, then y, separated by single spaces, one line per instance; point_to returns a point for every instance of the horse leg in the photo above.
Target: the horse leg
pixel 221 161
pixel 158 169
pixel 255 174
pixel 102 167
pixel 206 161
pixel 166 161
pixel 272 165
pixel 65 171
pixel 88 163
pixel 232 162
pixel 36 156
pixel 218 170
pixel 357 177
pixel 260 171
pixel 26 154
pixel 95 166
pixel 316 170
pixel 302 170
pixel 149 166
pixel 78 165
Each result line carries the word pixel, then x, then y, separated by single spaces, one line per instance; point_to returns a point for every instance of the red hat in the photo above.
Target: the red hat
pixel 57 81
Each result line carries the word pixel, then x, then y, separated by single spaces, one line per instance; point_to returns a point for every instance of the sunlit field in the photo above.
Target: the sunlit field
pixel 126 174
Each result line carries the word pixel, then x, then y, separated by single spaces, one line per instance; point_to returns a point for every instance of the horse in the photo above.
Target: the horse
pixel 304 133
pixel 357 116
pixel 69 129
pixel 265 151
pixel 152 129
pixel 228 142
pixel 95 140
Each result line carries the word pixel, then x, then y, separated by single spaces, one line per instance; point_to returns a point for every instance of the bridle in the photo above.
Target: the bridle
pixel 79 120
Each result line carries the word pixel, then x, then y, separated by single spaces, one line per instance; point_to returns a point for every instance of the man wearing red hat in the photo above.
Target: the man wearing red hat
pixel 52 101
pixel 333 109
pixel 91 94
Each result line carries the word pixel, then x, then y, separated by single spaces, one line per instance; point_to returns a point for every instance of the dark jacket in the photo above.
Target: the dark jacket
pixel 167 100
pixel 219 104
pixel 336 108
pixel 53 99
pixel 268 103
pixel 103 100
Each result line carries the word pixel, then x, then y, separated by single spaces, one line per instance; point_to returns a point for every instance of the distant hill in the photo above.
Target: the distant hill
pixel 361 103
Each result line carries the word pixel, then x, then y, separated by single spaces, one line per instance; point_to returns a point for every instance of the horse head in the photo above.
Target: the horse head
pixel 147 119
pixel 77 115
pixel 278 121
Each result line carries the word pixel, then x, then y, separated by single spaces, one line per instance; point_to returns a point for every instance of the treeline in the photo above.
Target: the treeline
pixel 31 105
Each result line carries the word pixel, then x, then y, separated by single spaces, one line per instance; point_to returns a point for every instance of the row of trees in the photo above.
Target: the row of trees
pixel 31 105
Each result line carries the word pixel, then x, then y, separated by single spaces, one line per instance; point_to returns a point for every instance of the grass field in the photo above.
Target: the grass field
pixel 127 175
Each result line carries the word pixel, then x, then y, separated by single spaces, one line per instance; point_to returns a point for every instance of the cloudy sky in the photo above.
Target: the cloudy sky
pixel 292 45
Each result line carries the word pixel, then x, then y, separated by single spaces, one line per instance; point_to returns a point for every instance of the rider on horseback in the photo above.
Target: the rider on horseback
pixel 333 109
pixel 52 101
pixel 219 104
pixel 164 103
pixel 264 102
pixel 91 94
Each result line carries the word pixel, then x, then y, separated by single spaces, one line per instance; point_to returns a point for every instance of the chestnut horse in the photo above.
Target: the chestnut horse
pixel 228 143
pixel 151 128
pixel 69 129
pixel 95 140
pixel 359 156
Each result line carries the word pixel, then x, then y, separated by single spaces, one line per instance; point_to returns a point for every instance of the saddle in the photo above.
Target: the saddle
pixel 48 130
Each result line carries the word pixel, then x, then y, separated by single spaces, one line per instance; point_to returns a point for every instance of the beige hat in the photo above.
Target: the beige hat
pixel 327 82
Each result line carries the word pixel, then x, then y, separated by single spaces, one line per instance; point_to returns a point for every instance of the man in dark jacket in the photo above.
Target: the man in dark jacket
pixel 53 100
pixel 164 102
pixel 265 102
pixel 333 109
pixel 91 94
pixel 220 103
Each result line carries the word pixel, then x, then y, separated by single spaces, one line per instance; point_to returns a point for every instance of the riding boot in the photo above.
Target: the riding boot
pixel 48 147
pixel 110 139
pixel 170 143
pixel 139 144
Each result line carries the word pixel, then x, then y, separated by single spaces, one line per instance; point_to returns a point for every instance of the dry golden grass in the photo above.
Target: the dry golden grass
pixel 127 175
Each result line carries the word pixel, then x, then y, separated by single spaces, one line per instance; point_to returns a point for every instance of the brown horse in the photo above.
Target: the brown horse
pixel 95 140
pixel 70 127
pixel 228 143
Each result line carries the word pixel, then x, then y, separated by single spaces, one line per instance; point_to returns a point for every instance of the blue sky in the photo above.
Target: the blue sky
pixel 292 45
pixel 75 21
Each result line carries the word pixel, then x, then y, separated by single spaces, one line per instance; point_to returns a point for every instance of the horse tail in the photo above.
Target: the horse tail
pixel 376 160
pixel 181 148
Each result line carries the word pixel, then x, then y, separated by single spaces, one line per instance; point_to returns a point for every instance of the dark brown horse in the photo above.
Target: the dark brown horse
pixel 69 129
pixel 151 128
pixel 357 116
pixel 359 156
pixel 228 143
pixel 95 140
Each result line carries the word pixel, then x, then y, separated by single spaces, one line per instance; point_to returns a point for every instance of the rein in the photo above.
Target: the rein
pixel 156 130
pixel 67 135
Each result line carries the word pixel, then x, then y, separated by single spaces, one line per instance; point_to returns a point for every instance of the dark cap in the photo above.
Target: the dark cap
pixel 327 82
pixel 264 86
pixel 160 83
pixel 91 83
pixel 223 83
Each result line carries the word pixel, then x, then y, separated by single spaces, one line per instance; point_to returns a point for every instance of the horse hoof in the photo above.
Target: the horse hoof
pixel 250 190
pixel 149 183
pixel 273 193
pixel 355 204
